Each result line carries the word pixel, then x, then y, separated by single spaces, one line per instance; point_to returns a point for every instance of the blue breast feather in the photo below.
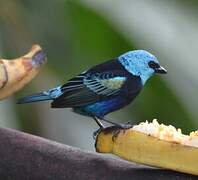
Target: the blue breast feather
pixel 100 109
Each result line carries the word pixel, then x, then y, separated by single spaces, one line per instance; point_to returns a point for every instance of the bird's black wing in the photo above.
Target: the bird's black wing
pixel 100 82
pixel 89 88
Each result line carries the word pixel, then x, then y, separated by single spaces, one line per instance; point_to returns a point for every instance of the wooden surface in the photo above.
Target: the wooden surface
pixel 27 157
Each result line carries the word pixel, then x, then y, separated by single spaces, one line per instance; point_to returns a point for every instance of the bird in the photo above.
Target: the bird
pixel 103 88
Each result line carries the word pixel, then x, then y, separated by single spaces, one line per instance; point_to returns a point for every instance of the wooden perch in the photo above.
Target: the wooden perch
pixel 28 157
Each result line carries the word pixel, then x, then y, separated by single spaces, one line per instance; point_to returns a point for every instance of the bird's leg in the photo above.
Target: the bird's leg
pixel 106 120
pixel 121 125
pixel 99 124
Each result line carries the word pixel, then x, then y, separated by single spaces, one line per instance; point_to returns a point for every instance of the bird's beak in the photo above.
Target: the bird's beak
pixel 160 70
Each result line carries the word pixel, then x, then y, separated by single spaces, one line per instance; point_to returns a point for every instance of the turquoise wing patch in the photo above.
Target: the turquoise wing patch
pixel 104 84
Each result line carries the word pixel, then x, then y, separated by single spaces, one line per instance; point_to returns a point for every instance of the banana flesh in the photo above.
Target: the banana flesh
pixel 16 73
pixel 152 144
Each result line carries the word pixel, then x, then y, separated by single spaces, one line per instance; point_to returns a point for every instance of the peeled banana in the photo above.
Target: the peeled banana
pixel 152 144
pixel 16 73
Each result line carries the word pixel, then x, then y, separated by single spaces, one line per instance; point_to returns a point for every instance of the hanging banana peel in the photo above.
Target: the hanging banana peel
pixel 16 73
pixel 152 144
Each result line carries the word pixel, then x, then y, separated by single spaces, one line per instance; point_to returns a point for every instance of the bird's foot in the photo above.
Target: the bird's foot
pixel 126 125
pixel 123 126
pixel 120 126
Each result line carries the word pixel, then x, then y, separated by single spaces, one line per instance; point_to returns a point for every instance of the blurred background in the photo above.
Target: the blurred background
pixel 78 34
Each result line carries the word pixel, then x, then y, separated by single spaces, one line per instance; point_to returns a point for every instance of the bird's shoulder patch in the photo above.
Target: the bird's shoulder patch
pixel 114 83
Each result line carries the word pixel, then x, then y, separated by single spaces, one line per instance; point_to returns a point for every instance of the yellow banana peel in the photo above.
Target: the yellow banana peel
pixel 152 144
pixel 16 73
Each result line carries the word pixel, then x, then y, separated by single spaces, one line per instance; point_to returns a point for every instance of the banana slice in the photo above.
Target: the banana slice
pixel 153 144
pixel 16 73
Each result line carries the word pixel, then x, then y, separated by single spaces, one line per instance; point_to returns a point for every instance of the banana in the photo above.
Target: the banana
pixel 16 73
pixel 152 144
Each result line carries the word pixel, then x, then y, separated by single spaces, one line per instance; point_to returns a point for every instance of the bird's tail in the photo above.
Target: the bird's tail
pixel 34 98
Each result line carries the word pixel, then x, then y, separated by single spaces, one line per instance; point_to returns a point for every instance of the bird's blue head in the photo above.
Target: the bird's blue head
pixel 141 63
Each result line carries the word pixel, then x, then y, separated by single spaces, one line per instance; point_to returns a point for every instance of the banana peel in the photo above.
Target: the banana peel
pixel 152 144
pixel 16 73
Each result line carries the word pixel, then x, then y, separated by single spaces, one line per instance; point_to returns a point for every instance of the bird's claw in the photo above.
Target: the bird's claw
pixel 124 126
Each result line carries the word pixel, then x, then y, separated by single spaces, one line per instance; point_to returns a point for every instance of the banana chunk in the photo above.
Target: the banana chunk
pixel 16 73
pixel 152 144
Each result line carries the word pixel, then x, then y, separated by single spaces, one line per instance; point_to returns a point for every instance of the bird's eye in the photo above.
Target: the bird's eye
pixel 153 65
